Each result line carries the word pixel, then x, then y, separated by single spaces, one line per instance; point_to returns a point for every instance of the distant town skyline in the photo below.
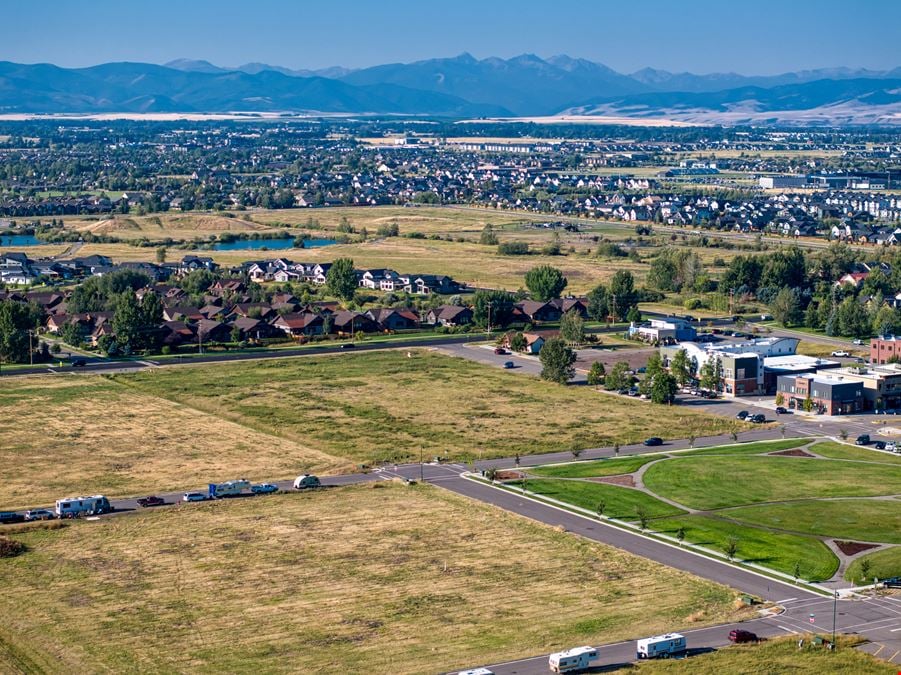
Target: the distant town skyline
pixel 701 36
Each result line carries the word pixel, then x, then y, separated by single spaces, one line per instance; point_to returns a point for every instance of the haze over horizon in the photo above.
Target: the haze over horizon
pixel 764 39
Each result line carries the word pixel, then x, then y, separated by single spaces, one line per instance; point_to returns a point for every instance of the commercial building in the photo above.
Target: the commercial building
pixel 884 348
pixel 881 384
pixel 670 329
pixel 744 363
pixel 828 394
pixel 771 182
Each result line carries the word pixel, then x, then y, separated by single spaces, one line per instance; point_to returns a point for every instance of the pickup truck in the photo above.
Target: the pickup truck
pixel 841 353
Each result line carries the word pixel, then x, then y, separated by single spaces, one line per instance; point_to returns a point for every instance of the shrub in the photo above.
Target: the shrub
pixel 693 303
pixel 10 548
pixel 513 248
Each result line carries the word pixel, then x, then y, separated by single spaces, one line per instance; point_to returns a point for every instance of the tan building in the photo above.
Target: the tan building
pixel 881 384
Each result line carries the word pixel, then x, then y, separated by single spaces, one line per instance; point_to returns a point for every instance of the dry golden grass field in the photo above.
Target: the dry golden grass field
pixel 184 426
pixel 383 578
pixel 88 435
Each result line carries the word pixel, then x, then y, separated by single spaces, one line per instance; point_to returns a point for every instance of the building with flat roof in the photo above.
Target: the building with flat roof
pixel 663 330
pixel 744 363
pixel 828 394
pixel 794 364
pixel 885 348
pixel 881 384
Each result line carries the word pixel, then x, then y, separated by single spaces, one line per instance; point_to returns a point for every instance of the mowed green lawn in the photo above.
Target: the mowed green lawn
pixel 858 519
pixel 753 448
pixel 620 502
pixel 717 482
pixel 386 406
pixel 883 564
pixel 835 450
pixel 777 551
pixel 382 578
pixel 594 468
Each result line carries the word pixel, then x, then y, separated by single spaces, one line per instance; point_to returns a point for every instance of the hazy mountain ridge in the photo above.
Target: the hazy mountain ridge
pixel 461 86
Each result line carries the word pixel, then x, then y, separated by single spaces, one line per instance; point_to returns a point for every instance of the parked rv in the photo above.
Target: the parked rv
pixel 306 481
pixel 661 646
pixel 228 489
pixel 572 660
pixel 72 507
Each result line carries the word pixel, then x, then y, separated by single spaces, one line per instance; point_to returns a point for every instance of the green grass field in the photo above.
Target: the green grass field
pixel 699 483
pixel 883 564
pixel 857 519
pixel 621 502
pixel 780 508
pixel 367 579
pixel 777 551
pixel 835 450
pixel 593 468
pixel 753 448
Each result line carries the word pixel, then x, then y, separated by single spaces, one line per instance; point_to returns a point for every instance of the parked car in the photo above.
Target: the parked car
pixel 863 439
pixel 194 497
pixel 879 445
pixel 263 488
pixel 780 410
pixel 79 363
pixel 757 419
pixel 742 415
pixel 653 440
pixel 153 500
pixel 508 364
pixel 306 481
pixel 738 636
pixel 11 517
pixel 39 514
pixel 642 370
pixel 891 446
pixel 841 353
pixel 500 350
pixel 857 341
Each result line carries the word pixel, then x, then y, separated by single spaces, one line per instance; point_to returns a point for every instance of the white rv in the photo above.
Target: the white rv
pixel 306 481
pixel 572 660
pixel 228 488
pixel 70 507
pixel 671 644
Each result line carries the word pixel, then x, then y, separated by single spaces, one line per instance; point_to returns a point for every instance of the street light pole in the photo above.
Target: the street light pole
pixel 834 603
pixel 421 479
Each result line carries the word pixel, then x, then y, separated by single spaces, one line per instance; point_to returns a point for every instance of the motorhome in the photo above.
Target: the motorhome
pixel 671 644
pixel 229 488
pixel 70 507
pixel 572 660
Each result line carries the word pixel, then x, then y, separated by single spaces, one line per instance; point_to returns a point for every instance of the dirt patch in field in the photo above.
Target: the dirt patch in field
pixel 791 453
pixel 626 480
pixel 853 547
pixel 508 475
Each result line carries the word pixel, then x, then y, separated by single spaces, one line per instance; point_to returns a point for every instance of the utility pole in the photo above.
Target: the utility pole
pixel 30 347
pixel 421 479
pixel 731 296
pixel 489 318
pixel 614 307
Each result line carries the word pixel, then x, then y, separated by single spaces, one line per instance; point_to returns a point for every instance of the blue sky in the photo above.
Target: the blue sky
pixel 757 37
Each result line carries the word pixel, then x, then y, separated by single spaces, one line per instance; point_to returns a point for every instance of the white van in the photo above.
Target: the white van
pixel 71 507
pixel 671 644
pixel 306 481
pixel 572 660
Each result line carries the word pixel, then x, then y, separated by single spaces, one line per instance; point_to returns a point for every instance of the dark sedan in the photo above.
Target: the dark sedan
pixel 653 440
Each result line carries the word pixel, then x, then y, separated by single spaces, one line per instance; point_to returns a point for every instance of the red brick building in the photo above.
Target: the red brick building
pixel 882 349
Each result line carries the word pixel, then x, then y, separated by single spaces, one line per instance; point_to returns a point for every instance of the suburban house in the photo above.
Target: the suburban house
pixel 394 319
pixel 449 315
pixel 348 323
pixel 299 324
pixel 540 312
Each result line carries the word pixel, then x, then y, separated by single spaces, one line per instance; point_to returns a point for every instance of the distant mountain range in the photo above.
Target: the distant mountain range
pixel 461 86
